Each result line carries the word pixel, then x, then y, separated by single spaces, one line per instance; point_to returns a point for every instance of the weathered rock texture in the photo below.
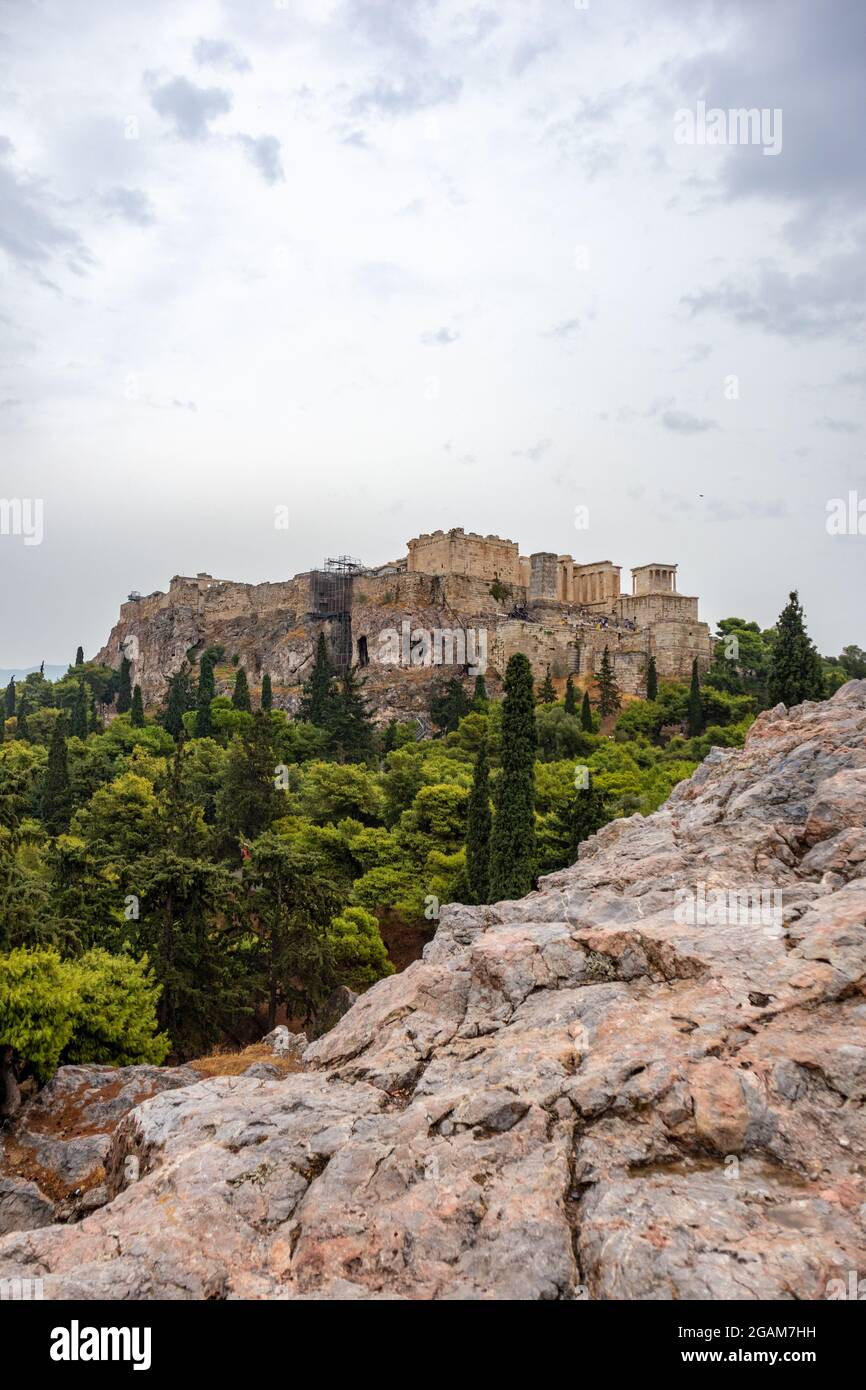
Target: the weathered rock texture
pixel 575 1095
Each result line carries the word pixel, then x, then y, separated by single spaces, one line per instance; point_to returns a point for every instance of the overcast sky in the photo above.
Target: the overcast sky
pixel 414 264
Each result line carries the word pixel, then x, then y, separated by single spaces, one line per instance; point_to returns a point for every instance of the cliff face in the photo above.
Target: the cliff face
pixel 624 1086
pixel 274 628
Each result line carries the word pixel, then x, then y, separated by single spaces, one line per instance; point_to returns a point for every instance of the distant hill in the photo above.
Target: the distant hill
pixel 52 673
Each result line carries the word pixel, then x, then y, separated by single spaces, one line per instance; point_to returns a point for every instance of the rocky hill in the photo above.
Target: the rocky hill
pixel 617 1088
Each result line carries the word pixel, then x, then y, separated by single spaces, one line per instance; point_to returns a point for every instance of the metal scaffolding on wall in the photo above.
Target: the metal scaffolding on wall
pixel 331 590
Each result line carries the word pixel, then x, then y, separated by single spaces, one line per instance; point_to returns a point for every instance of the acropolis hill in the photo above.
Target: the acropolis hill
pixel 469 591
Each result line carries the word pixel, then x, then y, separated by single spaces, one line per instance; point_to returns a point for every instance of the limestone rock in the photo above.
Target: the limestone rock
pixel 590 1093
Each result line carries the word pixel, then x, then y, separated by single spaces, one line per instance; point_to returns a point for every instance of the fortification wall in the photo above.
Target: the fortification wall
pixel 459 552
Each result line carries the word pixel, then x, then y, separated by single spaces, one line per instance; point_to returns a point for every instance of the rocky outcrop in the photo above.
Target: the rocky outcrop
pixel 644 1081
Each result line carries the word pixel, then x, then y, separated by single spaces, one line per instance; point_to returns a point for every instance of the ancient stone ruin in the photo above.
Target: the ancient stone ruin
pixel 456 601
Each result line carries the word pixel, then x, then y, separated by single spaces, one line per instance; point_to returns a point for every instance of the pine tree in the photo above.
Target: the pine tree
pixel 652 680
pixel 79 712
pixel 79 657
pixel 696 721
pixel 241 693
pixel 56 798
pixel 570 699
pixel 479 820
pixel 267 699
pixel 124 687
pixel 795 667
pixel 586 713
pixel 547 694
pixel 177 704
pixel 10 698
pixel 608 690
pixel 349 723
pixel 137 709
pixel 318 697
pixel 206 691
pixel 512 841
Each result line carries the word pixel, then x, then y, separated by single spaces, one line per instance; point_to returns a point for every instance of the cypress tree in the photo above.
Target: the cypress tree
pixel 93 719
pixel 177 704
pixel 448 705
pixel 267 699
pixel 696 722
pixel 21 729
pixel 10 698
pixel 137 709
pixel 547 695
pixel 586 713
pixel 241 692
pixel 652 680
pixel 512 841
pixel 79 657
pixel 608 690
pixel 479 697
pixel 56 798
pixel 795 666
pixel 317 699
pixel 570 702
pixel 206 690
pixel 389 738
pixel 479 820
pixel 124 687
pixel 79 712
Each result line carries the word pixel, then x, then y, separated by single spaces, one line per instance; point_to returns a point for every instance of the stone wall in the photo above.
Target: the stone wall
pixel 461 552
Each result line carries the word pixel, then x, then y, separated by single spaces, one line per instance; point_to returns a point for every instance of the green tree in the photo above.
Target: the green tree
pixel 359 954
pixel 318 697
pixel 652 680
pixel 114 1012
pixel 56 798
pixel 570 696
pixel 267 698
pixel 696 721
pixel 206 692
pixel 249 799
pixel 479 696
pixel 10 698
pixel 177 704
pixel 349 723
pixel 608 690
pixel 241 693
pixel 124 686
pixel 795 667
pixel 582 816
pixel 512 842
pixel 479 821
pixel 80 712
pixel 389 738
pixel 586 713
pixel 290 904
pixel 79 657
pixel 547 694
pixel 136 713
pixel 448 704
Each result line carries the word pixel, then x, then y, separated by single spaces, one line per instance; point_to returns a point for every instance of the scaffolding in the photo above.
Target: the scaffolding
pixel 331 590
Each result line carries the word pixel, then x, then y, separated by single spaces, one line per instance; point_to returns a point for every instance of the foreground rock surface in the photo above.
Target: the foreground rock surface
pixel 581 1094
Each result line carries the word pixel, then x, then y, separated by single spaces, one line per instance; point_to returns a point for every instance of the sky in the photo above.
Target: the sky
pixel 378 268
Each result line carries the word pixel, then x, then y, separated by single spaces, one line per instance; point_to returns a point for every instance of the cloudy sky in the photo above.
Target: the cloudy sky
pixel 400 264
